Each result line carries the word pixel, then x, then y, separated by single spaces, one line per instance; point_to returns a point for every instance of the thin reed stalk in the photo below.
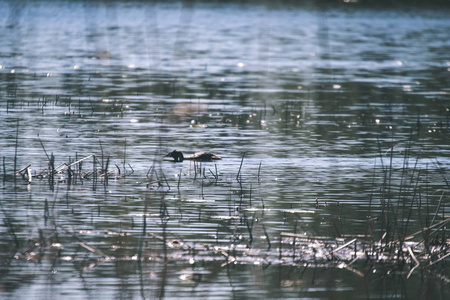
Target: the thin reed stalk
pixel 15 150
pixel 124 156
pixel 179 179
pixel 259 172
pixel 269 245
pixel 4 169
pixel 240 167
pixel 250 230
pixel 94 173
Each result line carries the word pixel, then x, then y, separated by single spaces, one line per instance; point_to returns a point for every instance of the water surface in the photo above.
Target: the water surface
pixel 330 110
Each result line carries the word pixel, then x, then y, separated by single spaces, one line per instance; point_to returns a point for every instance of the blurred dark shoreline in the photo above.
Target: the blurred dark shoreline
pixel 398 4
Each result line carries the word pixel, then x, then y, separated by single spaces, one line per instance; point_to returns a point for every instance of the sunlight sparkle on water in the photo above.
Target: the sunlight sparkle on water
pixel 407 88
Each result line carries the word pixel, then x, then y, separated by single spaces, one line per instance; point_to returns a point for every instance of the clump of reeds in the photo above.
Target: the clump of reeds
pixel 71 171
pixel 403 197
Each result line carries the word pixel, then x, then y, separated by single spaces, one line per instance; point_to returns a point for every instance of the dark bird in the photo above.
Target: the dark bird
pixel 199 156
pixel 176 155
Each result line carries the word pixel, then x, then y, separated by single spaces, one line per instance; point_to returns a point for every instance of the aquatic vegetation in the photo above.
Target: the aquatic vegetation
pixel 388 242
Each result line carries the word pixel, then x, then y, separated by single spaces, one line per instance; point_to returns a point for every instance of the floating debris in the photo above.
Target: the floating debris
pixel 299 211
pixel 198 200
pixel 226 217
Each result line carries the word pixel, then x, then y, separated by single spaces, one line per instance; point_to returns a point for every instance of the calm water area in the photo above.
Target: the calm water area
pixel 332 122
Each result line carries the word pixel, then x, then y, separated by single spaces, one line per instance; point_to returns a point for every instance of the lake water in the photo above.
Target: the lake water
pixel 323 116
